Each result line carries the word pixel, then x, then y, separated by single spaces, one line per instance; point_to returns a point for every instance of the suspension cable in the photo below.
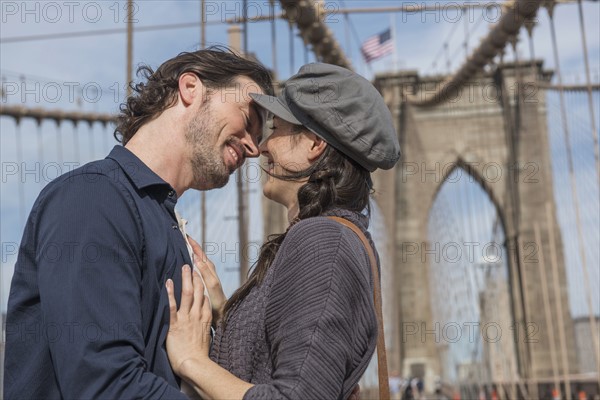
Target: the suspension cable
pixel 21 163
pixel 589 90
pixel 561 323
pixel 59 143
pixel 40 150
pixel 105 141
pixel 273 36
pixel 76 145
pixel 291 31
pixel 92 142
pixel 593 327
pixel 546 301
pixel 517 12
pixel 530 25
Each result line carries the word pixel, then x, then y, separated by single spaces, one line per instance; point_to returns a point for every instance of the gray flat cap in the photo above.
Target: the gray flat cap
pixel 342 108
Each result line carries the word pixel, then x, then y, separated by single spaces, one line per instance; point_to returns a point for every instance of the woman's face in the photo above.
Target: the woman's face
pixel 285 151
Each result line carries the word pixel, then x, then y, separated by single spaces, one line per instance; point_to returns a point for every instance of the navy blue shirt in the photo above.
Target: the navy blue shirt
pixel 88 310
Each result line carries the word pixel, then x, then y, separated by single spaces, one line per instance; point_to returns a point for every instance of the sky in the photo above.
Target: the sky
pixel 87 73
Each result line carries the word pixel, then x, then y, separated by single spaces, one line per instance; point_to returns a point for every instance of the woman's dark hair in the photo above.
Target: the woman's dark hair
pixel 217 67
pixel 334 181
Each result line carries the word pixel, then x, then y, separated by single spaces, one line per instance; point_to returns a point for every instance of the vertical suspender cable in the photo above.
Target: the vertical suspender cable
pixel 202 192
pixel 92 140
pixel 561 323
pixel 76 143
pixel 105 141
pixel 466 43
pixel 347 35
pixel 532 388
pixel 563 111
pixel 551 240
pixel 519 87
pixel 245 18
pixel 129 73
pixel 291 49
pixel 589 90
pixel 20 163
pixel 241 187
pixel 202 24
pixel 40 151
pixel 305 53
pixel 273 37
pixel 447 54
pixel 203 216
pixel 59 143
pixel 529 25
pixel 546 301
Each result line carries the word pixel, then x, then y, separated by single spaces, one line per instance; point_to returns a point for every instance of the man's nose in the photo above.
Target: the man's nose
pixel 250 147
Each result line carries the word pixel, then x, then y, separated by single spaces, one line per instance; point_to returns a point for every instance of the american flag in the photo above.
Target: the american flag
pixel 377 46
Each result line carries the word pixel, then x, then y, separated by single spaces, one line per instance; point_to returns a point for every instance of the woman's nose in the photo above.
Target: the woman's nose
pixel 262 147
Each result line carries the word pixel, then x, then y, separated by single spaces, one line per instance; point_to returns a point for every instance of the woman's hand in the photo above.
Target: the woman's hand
pixel 213 283
pixel 189 330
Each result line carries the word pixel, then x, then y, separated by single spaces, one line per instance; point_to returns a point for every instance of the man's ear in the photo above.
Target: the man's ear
pixel 191 89
pixel 317 146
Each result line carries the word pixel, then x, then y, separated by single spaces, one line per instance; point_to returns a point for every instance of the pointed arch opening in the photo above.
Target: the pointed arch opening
pixel 470 282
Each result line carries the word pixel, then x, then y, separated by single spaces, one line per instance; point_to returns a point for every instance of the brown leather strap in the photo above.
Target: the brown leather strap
pixel 384 385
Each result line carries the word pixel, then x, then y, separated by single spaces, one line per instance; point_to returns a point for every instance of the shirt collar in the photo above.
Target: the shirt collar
pixel 135 169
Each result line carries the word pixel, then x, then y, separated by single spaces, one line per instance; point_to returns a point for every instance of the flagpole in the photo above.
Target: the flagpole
pixel 366 65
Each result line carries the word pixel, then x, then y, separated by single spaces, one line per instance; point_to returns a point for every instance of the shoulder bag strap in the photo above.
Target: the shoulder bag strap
pixel 384 385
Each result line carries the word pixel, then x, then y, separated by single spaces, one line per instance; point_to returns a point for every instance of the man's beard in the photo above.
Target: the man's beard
pixel 208 167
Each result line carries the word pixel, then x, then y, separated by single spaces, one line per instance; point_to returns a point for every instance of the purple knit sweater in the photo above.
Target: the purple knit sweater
pixel 309 331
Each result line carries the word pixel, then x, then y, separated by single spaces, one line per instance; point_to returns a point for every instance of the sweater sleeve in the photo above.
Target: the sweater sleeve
pixel 316 313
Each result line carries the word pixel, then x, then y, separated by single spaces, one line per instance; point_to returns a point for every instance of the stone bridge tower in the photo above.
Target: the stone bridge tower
pixel 513 166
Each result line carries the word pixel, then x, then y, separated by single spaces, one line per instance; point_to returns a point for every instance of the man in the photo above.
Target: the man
pixel 88 312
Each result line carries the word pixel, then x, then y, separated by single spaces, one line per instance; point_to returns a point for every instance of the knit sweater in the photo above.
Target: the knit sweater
pixel 309 330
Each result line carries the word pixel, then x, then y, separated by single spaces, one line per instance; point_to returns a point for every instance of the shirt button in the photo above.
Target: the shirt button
pixel 171 193
pixel 175 226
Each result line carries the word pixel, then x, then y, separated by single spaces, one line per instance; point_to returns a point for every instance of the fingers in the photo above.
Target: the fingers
pixel 192 294
pixel 207 270
pixel 201 259
pixel 197 249
pixel 187 289
pixel 172 302
pixel 198 291
pixel 206 311
pixel 209 275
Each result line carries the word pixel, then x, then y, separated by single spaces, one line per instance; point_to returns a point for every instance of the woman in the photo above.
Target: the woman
pixel 303 326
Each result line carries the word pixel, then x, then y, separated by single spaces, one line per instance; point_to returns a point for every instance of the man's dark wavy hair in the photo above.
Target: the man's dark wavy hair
pixel 217 67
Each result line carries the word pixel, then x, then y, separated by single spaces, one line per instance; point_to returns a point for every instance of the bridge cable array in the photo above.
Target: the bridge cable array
pixel 567 140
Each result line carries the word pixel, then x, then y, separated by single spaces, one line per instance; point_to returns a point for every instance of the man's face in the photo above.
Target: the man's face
pixel 226 130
